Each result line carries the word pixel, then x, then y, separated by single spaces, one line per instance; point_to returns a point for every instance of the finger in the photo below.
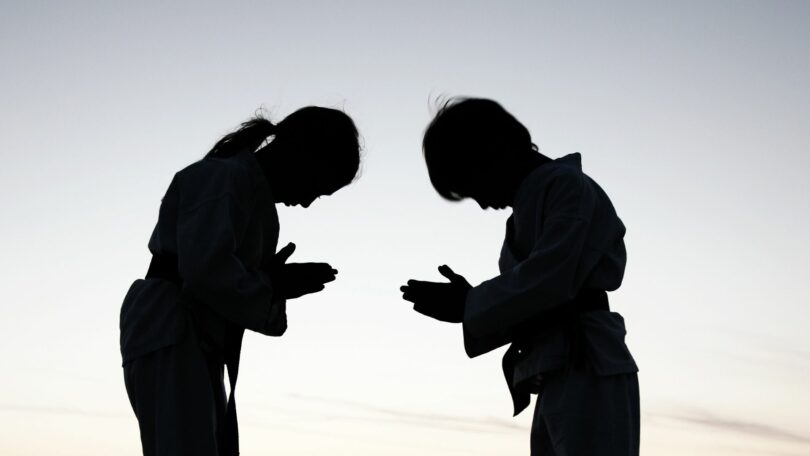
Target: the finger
pixel 408 293
pixel 420 294
pixel 322 267
pixel 317 272
pixel 428 288
pixel 323 276
pixel 318 268
pixel 414 289
pixel 329 278
pixel 455 279
pixel 420 283
pixel 410 298
pixel 285 253
pixel 447 272
pixel 312 289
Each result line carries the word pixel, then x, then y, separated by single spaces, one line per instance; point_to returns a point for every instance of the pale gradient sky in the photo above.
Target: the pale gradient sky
pixel 693 115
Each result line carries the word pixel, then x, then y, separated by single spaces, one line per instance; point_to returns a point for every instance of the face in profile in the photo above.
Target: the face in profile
pixel 300 182
pixel 304 190
pixel 488 185
pixel 315 153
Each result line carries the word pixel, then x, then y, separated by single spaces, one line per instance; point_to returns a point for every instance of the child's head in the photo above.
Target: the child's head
pixel 319 152
pixel 315 151
pixel 472 149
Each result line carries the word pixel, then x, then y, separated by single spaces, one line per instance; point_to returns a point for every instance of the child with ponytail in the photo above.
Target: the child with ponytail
pixel 215 272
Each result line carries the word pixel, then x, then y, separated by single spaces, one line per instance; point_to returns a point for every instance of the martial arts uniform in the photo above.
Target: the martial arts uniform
pixel 563 250
pixel 216 229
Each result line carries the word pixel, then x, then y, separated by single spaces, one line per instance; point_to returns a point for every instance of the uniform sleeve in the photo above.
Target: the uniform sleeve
pixel 547 278
pixel 209 233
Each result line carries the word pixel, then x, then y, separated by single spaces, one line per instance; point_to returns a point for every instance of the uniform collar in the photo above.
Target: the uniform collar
pixel 574 160
pixel 538 176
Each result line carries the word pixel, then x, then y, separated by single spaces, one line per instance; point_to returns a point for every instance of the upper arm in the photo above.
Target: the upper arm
pixel 549 276
pixel 568 196
pixel 212 217
pixel 212 224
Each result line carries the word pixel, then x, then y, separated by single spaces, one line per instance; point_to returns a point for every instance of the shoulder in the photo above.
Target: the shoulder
pixel 567 171
pixel 212 178
pixel 563 189
pixel 223 173
pixel 563 175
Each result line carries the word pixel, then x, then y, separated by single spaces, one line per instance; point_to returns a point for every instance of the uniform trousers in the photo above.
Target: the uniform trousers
pixel 178 395
pixel 579 413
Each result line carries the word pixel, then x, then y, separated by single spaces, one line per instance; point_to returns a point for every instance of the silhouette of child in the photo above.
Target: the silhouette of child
pixel 563 250
pixel 215 272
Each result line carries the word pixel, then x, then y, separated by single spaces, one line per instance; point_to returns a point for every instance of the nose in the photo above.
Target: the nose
pixel 309 201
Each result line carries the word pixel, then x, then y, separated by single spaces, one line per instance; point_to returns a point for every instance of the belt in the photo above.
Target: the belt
pixel 591 299
pixel 565 316
pixel 586 300
pixel 164 266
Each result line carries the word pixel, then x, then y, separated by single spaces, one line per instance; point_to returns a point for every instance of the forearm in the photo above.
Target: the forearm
pixel 242 296
pixel 497 313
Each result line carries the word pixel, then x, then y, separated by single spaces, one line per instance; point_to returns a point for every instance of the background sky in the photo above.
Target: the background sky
pixel 692 115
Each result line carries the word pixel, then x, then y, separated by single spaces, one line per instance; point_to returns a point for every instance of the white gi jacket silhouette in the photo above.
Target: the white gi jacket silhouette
pixel 216 230
pixel 219 219
pixel 563 237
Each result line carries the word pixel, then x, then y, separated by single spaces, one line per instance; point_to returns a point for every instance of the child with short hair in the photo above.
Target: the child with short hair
pixel 563 251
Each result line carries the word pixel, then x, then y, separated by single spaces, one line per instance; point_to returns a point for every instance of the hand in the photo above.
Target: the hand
pixel 293 280
pixel 439 300
pixel 299 279
pixel 281 257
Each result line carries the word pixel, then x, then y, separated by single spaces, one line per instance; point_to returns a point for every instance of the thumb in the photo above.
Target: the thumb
pixel 285 252
pixel 454 278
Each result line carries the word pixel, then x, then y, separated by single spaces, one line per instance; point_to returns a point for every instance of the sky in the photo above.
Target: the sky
pixel 692 115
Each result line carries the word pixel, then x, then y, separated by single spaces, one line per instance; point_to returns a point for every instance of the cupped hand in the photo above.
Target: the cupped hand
pixel 299 279
pixel 440 300
pixel 293 280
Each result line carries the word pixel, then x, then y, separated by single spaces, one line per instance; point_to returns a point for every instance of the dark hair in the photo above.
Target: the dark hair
pixel 313 135
pixel 324 137
pixel 250 135
pixel 469 133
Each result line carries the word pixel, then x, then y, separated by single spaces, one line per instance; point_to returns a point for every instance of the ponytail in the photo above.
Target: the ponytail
pixel 250 135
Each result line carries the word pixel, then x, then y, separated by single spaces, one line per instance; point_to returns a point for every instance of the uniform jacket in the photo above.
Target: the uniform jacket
pixel 219 220
pixel 563 236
